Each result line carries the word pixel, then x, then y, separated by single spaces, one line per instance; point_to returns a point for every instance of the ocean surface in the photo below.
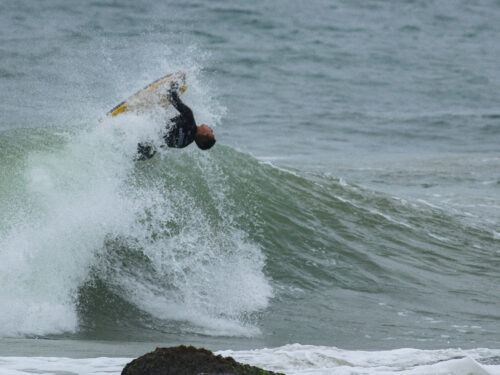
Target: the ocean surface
pixel 346 222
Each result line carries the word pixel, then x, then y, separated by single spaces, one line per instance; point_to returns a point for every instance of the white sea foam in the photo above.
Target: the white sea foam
pixel 73 201
pixel 55 365
pixel 299 359
pixel 293 359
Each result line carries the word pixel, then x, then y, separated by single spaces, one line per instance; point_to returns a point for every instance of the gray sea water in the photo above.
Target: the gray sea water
pixel 352 199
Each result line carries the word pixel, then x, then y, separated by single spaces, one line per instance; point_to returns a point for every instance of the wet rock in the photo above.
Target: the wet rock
pixel 188 360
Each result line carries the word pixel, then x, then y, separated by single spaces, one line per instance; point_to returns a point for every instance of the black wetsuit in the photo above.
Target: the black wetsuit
pixel 183 128
pixel 181 131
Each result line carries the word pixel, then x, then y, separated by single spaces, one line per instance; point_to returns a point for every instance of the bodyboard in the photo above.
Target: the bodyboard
pixel 154 94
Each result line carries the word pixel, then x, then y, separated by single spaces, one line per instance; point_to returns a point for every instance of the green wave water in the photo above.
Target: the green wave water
pixel 220 243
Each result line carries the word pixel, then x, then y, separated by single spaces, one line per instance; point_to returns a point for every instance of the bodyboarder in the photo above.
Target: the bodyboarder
pixel 182 129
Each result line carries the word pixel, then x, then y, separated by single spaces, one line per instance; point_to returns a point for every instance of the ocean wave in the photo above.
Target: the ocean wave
pixel 204 243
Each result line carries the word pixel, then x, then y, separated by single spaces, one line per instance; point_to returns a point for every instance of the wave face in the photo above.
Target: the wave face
pixel 218 243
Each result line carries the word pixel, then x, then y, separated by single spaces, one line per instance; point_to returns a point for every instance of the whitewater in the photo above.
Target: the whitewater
pixel 296 360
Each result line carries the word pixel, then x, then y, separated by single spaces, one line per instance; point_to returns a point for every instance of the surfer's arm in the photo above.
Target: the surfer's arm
pixel 184 110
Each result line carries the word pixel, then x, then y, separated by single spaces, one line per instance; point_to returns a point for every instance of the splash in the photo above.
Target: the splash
pixel 85 210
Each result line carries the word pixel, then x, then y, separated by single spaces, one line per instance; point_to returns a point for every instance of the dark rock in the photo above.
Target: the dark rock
pixel 184 360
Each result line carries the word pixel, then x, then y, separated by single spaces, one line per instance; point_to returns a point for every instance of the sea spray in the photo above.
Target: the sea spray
pixel 195 264
pixel 90 202
pixel 71 202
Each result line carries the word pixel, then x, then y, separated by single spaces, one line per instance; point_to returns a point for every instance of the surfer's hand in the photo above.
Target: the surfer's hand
pixel 174 87
pixel 172 93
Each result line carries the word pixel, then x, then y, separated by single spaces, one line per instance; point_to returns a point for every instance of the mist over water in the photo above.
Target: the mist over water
pixel 352 199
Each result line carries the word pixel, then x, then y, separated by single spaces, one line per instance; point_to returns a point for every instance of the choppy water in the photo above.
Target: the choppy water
pixel 352 199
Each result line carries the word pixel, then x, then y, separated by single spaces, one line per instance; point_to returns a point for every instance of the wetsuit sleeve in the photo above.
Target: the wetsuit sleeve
pixel 183 109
